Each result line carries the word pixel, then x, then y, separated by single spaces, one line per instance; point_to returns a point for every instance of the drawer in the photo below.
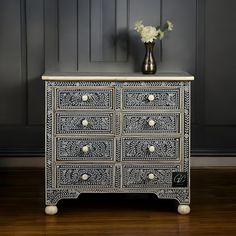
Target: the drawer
pixel 151 98
pixel 74 98
pixel 85 149
pixel 145 149
pixel 148 176
pixel 85 176
pixel 146 123
pixel 84 123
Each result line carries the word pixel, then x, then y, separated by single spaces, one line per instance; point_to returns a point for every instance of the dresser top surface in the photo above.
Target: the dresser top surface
pixel 69 76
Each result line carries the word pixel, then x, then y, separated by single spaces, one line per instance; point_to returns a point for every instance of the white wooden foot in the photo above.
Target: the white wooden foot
pixel 184 209
pixel 51 210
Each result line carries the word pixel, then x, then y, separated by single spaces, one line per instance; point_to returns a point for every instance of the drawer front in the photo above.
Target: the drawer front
pixel 84 123
pixel 151 99
pixel 85 149
pixel 144 149
pixel 145 176
pixel 85 176
pixel 84 99
pixel 151 123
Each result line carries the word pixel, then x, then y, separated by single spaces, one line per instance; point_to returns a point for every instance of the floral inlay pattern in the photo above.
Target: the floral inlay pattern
pixel 164 99
pixel 72 149
pixel 73 175
pixel 138 149
pixel 138 123
pixel 69 99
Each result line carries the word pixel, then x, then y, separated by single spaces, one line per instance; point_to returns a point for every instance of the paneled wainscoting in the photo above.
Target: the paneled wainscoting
pixel 98 35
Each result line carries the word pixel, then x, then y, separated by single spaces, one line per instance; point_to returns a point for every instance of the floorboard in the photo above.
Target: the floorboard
pixel 213 209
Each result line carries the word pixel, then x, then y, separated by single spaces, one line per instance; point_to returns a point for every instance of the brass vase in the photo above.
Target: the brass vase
pixel 149 63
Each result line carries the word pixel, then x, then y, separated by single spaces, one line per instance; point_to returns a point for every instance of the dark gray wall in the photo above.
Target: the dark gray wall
pixel 97 35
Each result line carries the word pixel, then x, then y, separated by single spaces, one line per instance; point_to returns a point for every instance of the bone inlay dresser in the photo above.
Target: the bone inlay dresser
pixel 117 133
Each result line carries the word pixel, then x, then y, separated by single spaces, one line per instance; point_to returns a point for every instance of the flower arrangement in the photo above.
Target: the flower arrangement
pixel 151 33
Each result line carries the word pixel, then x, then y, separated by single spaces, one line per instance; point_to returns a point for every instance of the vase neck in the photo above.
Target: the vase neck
pixel 149 44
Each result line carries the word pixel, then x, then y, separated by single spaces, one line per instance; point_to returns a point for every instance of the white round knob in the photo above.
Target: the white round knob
pixel 84 123
pixel 151 176
pixel 85 98
pixel 151 123
pixel 151 97
pixel 151 149
pixel 84 177
pixel 85 148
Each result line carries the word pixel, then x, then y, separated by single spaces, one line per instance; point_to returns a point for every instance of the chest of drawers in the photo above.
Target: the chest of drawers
pixel 117 134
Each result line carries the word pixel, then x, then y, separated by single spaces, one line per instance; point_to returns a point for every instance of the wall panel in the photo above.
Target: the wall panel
pixel 68 35
pixel 12 91
pixel 179 47
pixel 35 61
pixel 98 35
pixel 220 63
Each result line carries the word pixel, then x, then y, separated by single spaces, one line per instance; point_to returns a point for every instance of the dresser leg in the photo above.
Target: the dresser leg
pixel 184 209
pixel 51 210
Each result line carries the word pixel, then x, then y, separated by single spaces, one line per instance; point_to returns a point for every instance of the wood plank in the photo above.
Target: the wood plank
pixel 213 209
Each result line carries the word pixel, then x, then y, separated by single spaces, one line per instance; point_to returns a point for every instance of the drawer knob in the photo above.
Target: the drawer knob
pixel 151 176
pixel 85 149
pixel 151 123
pixel 85 123
pixel 85 98
pixel 85 177
pixel 151 149
pixel 151 97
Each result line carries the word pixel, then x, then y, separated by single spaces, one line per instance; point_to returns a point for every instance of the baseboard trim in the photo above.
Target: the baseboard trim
pixel 22 161
pixel 196 162
pixel 213 161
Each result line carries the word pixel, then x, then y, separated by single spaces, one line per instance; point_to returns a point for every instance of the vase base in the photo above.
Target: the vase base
pixel 149 72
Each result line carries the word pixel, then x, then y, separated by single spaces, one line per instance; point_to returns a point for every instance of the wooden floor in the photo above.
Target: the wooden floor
pixel 213 209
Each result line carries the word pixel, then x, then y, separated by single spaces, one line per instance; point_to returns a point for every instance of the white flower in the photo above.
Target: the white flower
pixel 148 34
pixel 170 25
pixel 138 26
pixel 160 34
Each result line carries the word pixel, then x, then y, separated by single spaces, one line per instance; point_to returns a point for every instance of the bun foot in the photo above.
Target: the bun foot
pixel 51 210
pixel 183 209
